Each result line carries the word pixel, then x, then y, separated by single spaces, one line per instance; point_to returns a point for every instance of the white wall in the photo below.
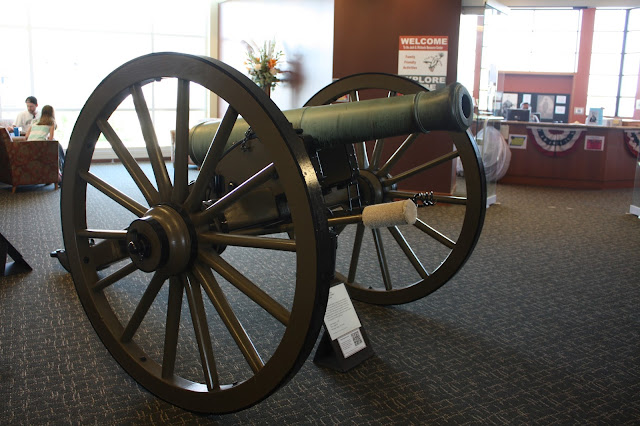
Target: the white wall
pixel 303 30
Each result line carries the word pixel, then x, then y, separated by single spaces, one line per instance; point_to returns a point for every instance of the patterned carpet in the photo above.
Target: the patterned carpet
pixel 541 326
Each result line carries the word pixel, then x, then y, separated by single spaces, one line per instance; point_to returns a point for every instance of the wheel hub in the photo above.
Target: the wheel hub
pixel 371 190
pixel 163 239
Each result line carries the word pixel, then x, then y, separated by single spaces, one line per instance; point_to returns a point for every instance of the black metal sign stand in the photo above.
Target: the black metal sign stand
pixel 19 265
pixel 347 350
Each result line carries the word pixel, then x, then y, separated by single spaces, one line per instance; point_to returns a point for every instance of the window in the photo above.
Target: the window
pixel 615 62
pixel 530 41
pixel 537 40
pixel 60 52
pixel 467 51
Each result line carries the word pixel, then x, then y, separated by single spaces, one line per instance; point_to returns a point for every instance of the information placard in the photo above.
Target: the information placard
pixel 351 343
pixel 344 343
pixel 340 317
pixel 424 59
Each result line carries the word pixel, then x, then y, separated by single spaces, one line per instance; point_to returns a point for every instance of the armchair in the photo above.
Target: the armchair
pixel 28 162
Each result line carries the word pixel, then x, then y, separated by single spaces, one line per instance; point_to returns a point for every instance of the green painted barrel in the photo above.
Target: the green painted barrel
pixel 450 108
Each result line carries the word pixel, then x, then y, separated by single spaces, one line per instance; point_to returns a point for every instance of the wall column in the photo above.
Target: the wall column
pixel 581 79
pixel 478 66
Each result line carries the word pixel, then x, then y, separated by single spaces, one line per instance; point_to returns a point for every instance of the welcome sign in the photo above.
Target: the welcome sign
pixel 424 59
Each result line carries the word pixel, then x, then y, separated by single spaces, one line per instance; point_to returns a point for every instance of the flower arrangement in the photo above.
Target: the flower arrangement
pixel 262 64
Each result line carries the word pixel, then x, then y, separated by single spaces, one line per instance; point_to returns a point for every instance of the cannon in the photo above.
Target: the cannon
pixel 209 285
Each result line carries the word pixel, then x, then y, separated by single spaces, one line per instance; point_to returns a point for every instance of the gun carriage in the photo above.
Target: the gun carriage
pixel 179 290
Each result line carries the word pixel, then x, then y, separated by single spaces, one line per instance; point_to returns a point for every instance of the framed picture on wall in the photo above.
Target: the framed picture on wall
pixel 509 100
pixel 545 106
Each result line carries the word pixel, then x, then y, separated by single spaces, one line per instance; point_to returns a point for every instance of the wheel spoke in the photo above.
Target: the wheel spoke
pixel 436 235
pixel 115 277
pixel 382 258
pixel 181 156
pixel 210 162
pixel 238 192
pixel 201 329
pixel 426 166
pixel 361 155
pixel 111 192
pixel 360 147
pixel 377 153
pixel 408 251
pixel 132 166
pixel 355 254
pixel 151 141
pixel 174 309
pixel 103 234
pixel 145 303
pixel 237 331
pixel 248 241
pixel 180 177
pixel 242 283
pixel 397 155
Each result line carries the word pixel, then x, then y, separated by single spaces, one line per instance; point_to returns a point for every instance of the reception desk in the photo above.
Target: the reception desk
pixel 571 155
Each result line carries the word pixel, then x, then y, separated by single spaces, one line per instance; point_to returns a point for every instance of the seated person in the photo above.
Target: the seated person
pixel 42 129
pixel 532 116
pixel 25 118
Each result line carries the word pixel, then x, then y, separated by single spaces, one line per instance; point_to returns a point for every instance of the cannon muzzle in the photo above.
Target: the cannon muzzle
pixel 450 108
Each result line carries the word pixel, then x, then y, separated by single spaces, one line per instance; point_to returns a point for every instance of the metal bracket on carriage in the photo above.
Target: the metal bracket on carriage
pixel 424 199
pixel 248 135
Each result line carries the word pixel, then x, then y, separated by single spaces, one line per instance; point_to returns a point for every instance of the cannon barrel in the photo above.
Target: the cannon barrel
pixel 449 109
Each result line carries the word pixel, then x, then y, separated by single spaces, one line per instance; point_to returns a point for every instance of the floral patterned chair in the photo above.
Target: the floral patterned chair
pixel 28 162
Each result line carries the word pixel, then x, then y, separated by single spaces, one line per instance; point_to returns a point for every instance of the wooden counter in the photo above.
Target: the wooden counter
pixel 577 167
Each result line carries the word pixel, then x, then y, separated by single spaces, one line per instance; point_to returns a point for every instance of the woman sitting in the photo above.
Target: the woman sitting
pixel 42 130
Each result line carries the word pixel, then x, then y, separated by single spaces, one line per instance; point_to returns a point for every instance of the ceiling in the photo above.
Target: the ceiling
pixel 504 5
pixel 567 3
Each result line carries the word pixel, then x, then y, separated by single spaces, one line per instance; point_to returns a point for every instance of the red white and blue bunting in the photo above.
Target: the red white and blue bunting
pixel 632 142
pixel 555 142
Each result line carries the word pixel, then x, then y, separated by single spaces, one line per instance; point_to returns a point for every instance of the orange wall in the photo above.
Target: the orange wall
pixel 535 82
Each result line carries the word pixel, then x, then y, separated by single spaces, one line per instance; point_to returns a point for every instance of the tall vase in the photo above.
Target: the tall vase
pixel 267 90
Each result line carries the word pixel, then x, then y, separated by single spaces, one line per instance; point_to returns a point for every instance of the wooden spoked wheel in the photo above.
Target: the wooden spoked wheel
pixel 195 314
pixel 413 260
